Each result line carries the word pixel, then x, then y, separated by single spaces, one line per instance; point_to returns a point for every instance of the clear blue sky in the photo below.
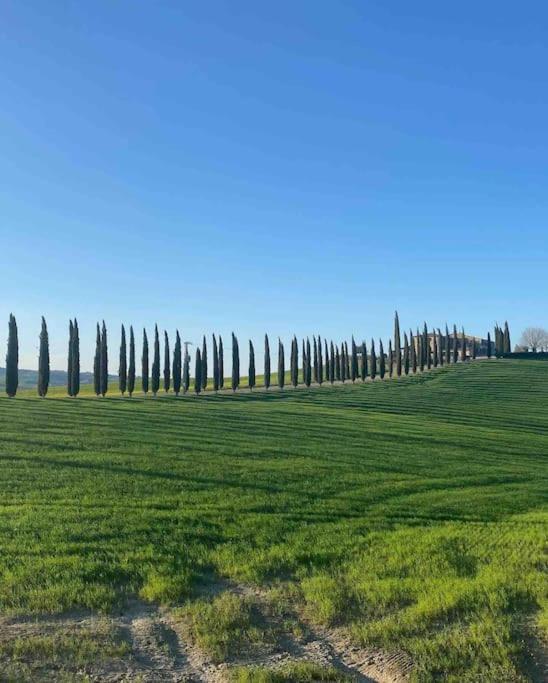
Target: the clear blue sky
pixel 290 167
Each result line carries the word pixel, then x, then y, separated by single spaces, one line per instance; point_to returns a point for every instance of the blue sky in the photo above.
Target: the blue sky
pixel 284 167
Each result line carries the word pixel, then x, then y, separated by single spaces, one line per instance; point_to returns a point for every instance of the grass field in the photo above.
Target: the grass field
pixel 411 512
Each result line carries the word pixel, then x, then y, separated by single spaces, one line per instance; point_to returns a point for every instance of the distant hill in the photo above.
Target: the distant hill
pixel 29 378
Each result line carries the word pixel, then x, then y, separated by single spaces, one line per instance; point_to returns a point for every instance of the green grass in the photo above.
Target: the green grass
pixel 301 672
pixel 412 512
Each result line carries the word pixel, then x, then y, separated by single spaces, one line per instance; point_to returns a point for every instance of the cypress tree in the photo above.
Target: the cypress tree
pixel 251 374
pixel 440 347
pixel 412 352
pixel 489 345
pixel 177 364
pixel 316 372
pixel 304 364
pixel 144 362
pixel 435 349
pixel 204 364
pixel 473 349
pixel 69 364
pixel 338 364
pixel 281 364
pixel 332 364
pixel 364 368
pixel 354 363
pixel 390 359
pixel 308 377
pixel 215 364
pixel 455 345
pixel 97 363
pixel 343 364
pixel 463 347
pixel 155 378
pixel 12 358
pixel 294 362
pixel 235 363
pixel 221 364
pixel 420 350
pixel 43 360
pixel 320 361
pixel 75 359
pixel 447 346
pixel 122 368
pixel 507 343
pixel 373 370
pixel 327 361
pixel 186 372
pixel 266 362
pixel 198 372
pixel 347 360
pixel 167 364
pixel 397 344
pixel 104 360
pixel 405 354
pixel 382 361
pixel 131 366
pixel 427 349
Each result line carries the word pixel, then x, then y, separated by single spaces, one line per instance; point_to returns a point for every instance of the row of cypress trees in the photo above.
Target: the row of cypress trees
pixel 319 361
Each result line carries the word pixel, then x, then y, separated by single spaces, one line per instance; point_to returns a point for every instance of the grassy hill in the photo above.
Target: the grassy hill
pixel 410 513
pixel 28 379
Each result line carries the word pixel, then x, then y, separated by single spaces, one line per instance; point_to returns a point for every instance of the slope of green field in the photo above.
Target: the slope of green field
pixel 412 511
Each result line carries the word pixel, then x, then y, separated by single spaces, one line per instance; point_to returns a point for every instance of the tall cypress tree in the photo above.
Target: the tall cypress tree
pixel 390 359
pixel 75 359
pixel 440 347
pixel 320 361
pixel 122 367
pixel 332 364
pixel 304 364
pixel 412 352
pixel 167 364
pixel 420 351
pixel 198 372
pixel 382 360
pixel 12 358
pixel 308 377
pixel 266 362
pixel 463 347
pixel 104 360
pixel 347 359
pixel 294 362
pixel 364 368
pixel 155 375
pixel 338 364
pixel 397 344
pixel 221 364
pixel 447 345
pixel 455 345
pixel 186 371
pixel 507 343
pixel 435 348
pixel 281 364
pixel 473 349
pixel 251 373
pixel 43 360
pixel 316 371
pixel 405 354
pixel 327 361
pixel 144 363
pixel 343 364
pixel 177 364
pixel 354 362
pixel 204 364
pixel 215 364
pixel 489 345
pixel 373 369
pixel 69 364
pixel 131 365
pixel 97 363
pixel 235 363
pixel 427 349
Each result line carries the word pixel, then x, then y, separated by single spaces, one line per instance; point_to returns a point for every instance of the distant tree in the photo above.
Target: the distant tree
pixel 308 376
pixel 354 361
pixel 204 364
pixel 294 362
pixel 534 339
pixel 155 379
pixel 43 360
pixel 221 364
pixel 104 360
pixel 373 363
pixel 447 346
pixel 97 363
pixel 397 344
pixel 455 345
pixel 440 347
pixel 405 354
pixel 412 352
pixel 463 346
pixel 266 362
pixel 427 349
pixel 215 364
pixel 144 362
pixel 198 372
pixel 420 350
pixel 364 368
pixel 303 356
pixel 69 364
pixel 435 357
pixel 315 359
pixel 390 359
pixel 344 376
pixel 177 364
pixel 347 360
pixel 338 364
pixel 332 364
pixel 382 361
pixel 281 364
pixel 506 338
pixel 131 366
pixel 167 364
pixel 12 358
pixel 186 371
pixel 251 373
pixel 489 350
pixel 327 361
pixel 320 361
pixel 122 366
pixel 75 359
pixel 235 363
